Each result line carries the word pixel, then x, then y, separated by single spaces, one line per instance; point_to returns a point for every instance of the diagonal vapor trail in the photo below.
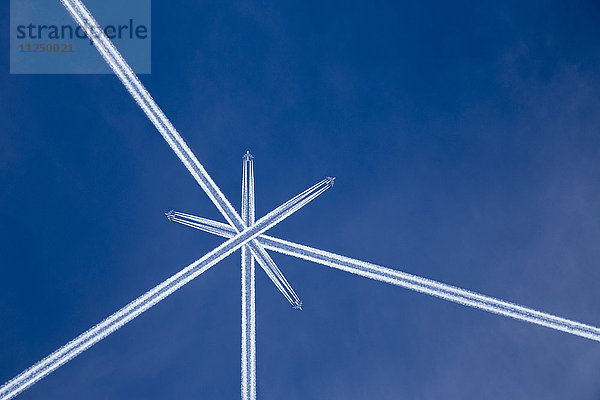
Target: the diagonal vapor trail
pixel 156 294
pixel 123 71
pixel 248 385
pixel 399 278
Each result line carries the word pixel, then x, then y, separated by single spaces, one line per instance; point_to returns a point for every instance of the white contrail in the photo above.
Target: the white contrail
pixel 264 260
pixel 248 288
pixel 123 71
pixel 153 296
pixel 398 278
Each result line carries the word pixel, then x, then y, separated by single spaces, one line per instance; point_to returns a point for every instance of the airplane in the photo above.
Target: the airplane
pixel 170 215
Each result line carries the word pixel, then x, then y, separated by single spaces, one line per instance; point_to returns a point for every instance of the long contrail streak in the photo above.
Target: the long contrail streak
pixel 248 376
pixel 123 71
pixel 399 278
pixel 156 294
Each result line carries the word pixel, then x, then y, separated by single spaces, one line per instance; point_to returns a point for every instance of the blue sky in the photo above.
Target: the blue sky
pixel 465 140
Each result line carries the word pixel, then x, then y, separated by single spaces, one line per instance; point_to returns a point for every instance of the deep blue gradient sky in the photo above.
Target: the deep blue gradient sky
pixel 465 139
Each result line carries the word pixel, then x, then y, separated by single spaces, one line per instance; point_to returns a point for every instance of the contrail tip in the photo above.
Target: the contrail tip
pixel 170 215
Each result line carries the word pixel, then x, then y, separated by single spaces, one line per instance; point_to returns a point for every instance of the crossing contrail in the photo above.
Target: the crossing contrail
pixel 267 262
pixel 123 71
pixel 156 294
pixel 248 288
pixel 403 279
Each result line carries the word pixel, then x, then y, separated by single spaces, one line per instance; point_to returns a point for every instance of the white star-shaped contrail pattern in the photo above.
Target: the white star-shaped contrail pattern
pixel 245 234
